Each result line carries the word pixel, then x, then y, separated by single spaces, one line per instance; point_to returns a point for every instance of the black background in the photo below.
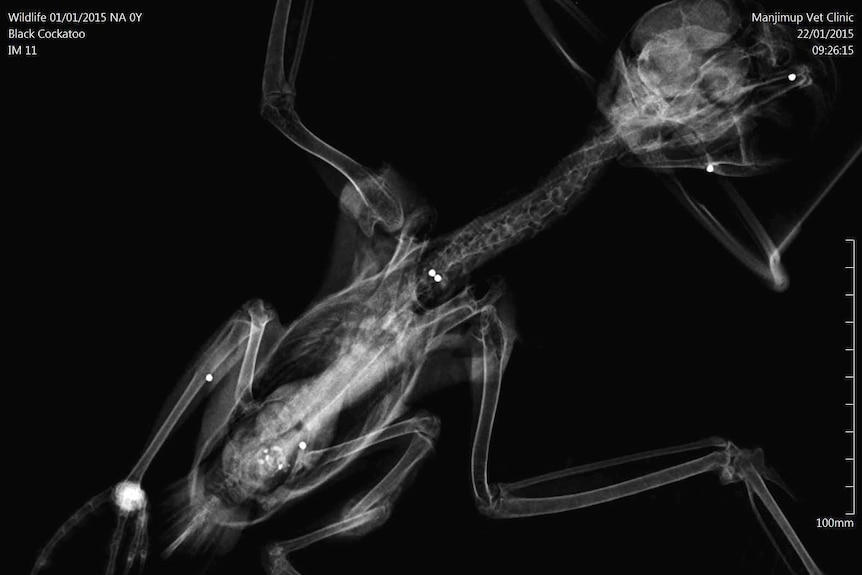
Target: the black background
pixel 146 201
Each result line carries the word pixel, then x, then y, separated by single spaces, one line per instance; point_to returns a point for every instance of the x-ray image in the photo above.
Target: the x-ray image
pixel 525 286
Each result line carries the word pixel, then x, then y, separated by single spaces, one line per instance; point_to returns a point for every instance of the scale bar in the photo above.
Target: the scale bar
pixel 852 377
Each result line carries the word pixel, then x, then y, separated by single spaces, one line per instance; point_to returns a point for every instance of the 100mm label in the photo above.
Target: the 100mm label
pixel 832 523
